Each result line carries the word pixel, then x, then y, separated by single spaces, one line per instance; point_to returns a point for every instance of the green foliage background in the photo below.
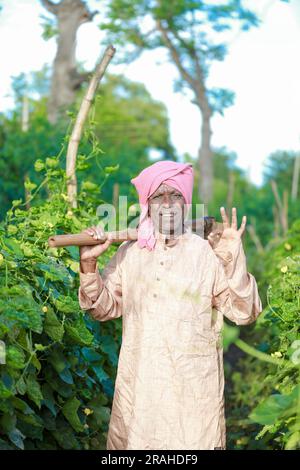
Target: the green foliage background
pixel 57 384
pixel 263 398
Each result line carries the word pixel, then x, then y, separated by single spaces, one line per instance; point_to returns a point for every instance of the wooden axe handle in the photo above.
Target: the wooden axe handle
pixel 203 227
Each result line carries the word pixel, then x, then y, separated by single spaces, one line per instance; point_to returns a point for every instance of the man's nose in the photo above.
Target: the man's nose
pixel 166 199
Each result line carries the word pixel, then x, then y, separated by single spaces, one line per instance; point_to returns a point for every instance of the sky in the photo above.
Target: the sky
pixel 261 68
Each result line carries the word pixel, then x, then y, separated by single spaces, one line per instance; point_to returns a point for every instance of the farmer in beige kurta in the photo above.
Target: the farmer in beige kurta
pixel 172 299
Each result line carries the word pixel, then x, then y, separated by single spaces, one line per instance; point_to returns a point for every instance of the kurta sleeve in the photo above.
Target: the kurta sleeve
pixel 101 295
pixel 235 291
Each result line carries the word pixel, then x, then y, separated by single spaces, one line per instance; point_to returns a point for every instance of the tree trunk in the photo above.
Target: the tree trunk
pixel 70 14
pixel 25 114
pixel 205 162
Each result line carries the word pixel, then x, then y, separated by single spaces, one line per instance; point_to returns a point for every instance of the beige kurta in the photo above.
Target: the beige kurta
pixel 169 390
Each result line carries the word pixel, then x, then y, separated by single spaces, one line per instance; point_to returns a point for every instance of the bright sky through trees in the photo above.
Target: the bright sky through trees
pixel 262 68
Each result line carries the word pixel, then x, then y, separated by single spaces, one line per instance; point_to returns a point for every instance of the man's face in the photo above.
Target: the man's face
pixel 167 210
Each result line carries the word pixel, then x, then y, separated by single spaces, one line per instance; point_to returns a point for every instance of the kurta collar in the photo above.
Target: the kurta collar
pixel 160 238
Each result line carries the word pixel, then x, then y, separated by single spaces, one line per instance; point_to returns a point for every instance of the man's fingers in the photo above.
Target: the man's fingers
pixel 96 232
pixel 243 225
pixel 224 217
pixel 91 231
pixel 88 230
pixel 99 232
pixel 234 218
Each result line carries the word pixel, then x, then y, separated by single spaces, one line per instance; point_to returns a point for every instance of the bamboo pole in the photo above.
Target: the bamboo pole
pixel 78 126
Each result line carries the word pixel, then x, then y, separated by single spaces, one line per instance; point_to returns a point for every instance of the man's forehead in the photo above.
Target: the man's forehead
pixel 165 188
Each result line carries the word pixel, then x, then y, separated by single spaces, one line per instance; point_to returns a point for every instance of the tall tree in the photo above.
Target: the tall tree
pixel 66 79
pixel 192 33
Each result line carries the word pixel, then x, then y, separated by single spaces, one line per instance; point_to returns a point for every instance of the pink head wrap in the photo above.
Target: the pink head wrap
pixel 178 175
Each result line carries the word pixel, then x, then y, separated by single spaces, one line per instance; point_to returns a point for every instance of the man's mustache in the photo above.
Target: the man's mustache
pixel 170 214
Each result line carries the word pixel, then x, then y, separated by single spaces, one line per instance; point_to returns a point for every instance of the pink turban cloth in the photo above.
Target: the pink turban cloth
pixel 178 175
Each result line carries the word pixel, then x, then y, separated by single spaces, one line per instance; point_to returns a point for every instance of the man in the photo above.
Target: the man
pixel 172 289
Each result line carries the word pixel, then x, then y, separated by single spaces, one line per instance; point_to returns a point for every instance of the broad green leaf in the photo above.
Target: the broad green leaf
pixel 14 247
pixel 293 441
pixel 62 388
pixel 58 360
pixel 34 390
pixel 36 362
pixel 55 272
pixel 271 409
pixel 100 373
pixel 229 334
pixel 21 386
pixel 31 425
pixel 65 437
pixel 69 410
pixel 49 400
pixel 52 326
pixel 8 422
pixel 21 405
pixel 108 345
pixel 17 438
pixel 66 376
pixel 15 357
pixel 91 355
pixel 79 333
pixel 66 304
pixel 4 392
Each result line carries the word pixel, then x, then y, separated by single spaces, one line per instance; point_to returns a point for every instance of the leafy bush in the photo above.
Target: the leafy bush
pixel 56 385
pixel 265 398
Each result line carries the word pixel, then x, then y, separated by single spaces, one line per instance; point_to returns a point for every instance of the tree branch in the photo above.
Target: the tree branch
pixel 78 78
pixel 50 6
pixel 88 16
pixel 196 83
pixel 175 56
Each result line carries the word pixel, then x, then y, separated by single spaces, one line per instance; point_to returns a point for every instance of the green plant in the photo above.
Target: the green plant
pixel 56 385
pixel 264 396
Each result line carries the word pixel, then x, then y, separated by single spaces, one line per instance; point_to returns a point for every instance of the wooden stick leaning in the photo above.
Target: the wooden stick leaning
pixel 202 227
pixel 78 127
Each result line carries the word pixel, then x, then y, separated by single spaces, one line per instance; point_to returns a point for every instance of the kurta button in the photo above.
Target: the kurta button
pixel 158 279
pixel 154 295
pixel 161 262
